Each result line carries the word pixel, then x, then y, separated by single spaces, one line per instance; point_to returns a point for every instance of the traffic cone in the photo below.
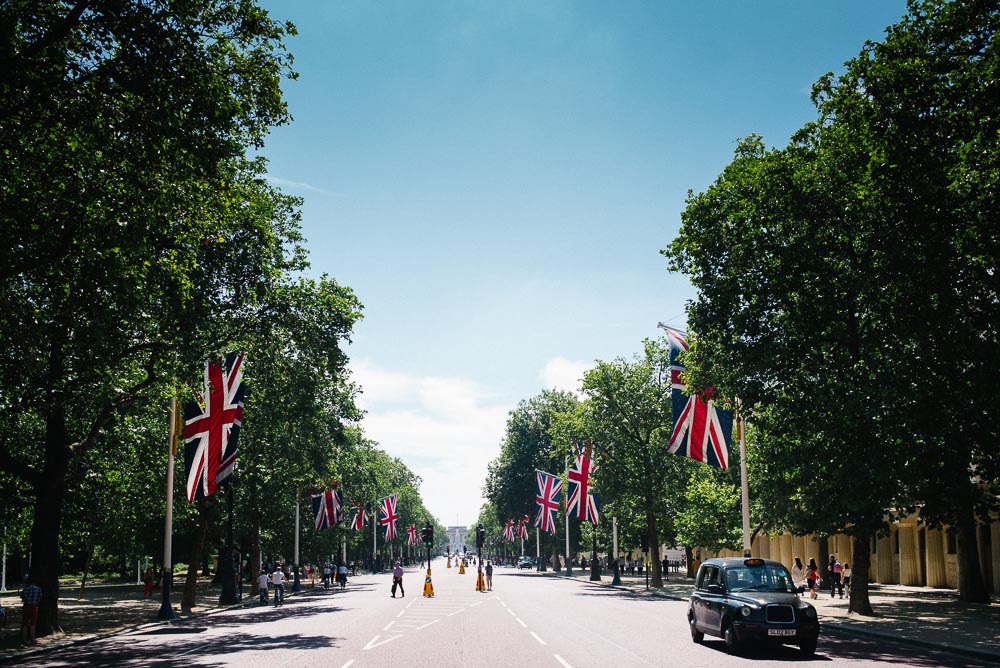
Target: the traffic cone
pixel 449 562
pixel 428 585
pixel 480 581
pixel 461 568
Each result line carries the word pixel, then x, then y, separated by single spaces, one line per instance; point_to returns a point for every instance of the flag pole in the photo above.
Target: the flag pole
pixel 616 579
pixel 166 610
pixel 741 426
pixel 297 583
pixel 374 539
pixel 569 570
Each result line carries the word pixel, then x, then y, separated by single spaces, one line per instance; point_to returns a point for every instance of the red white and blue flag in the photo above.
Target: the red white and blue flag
pixel 412 533
pixel 212 425
pixel 547 500
pixel 328 507
pixel 387 506
pixel 701 431
pixel 522 527
pixel 508 531
pixel 360 516
pixel 581 501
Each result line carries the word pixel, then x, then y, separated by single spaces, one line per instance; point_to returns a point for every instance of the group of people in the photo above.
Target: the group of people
pixel 838 575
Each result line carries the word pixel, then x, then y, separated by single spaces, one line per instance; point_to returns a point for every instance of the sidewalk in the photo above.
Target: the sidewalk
pixel 918 615
pixel 107 609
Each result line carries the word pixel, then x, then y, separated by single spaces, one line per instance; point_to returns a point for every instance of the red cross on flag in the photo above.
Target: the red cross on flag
pixel 387 506
pixel 211 425
pixel 581 501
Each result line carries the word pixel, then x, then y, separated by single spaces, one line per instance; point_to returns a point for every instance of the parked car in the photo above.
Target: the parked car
pixel 742 599
pixel 525 562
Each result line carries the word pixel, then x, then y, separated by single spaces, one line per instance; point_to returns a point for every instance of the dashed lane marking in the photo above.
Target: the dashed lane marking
pixel 521 623
pixel 562 661
pixel 427 624
pixel 372 644
pixel 347 664
pixel 388 625
pixel 456 612
pixel 535 636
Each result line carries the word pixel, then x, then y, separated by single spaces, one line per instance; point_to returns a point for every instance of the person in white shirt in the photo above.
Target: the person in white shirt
pixel 798 572
pixel 278 580
pixel 262 586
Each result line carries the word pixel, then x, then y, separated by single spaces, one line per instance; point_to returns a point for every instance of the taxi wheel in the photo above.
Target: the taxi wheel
pixel 729 635
pixel 696 635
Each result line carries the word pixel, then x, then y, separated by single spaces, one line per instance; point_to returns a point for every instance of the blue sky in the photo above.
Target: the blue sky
pixel 495 181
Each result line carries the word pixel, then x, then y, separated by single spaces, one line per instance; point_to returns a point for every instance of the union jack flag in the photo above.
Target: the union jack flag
pixel 701 431
pixel 412 533
pixel 211 426
pixel 508 531
pixel 360 516
pixel 328 507
pixel 547 500
pixel 388 508
pixel 580 499
pixel 522 527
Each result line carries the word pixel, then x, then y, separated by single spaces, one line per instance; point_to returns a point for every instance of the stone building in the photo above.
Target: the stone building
pixel 911 554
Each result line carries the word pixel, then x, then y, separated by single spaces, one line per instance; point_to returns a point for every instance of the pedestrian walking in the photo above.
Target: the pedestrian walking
pixel 397 579
pixel 342 575
pixel 846 575
pixel 835 569
pixel 489 576
pixel 798 573
pixel 147 583
pixel 812 578
pixel 31 596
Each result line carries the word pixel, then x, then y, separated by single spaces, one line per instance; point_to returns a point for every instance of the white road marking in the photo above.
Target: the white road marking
pixel 388 625
pixel 521 623
pixel 534 635
pixel 347 664
pixel 456 612
pixel 562 661
pixel 476 603
pixel 427 624
pixel 503 604
pixel 400 614
pixel 511 612
pixel 372 643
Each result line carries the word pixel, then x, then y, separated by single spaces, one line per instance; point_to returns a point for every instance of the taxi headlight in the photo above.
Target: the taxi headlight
pixel 746 611
pixel 810 612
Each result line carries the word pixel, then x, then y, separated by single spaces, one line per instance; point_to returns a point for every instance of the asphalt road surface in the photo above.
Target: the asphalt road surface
pixel 527 620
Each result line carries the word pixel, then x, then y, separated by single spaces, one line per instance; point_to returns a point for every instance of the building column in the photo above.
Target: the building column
pixel 763 546
pixel 909 573
pixel 883 561
pixel 937 573
pixel 784 549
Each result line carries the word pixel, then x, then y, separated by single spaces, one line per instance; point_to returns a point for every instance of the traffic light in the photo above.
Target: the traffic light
pixel 427 535
pixel 480 537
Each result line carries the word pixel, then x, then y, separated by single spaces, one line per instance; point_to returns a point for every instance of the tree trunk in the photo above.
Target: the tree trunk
pixel 971 586
pixel 653 546
pixel 48 514
pixel 254 553
pixel 189 597
pixel 860 602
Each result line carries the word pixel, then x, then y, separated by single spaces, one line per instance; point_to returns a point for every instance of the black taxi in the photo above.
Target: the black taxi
pixel 740 599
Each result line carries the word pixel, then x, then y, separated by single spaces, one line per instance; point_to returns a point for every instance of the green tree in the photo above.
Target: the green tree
pixel 629 415
pixel 135 230
pixel 527 445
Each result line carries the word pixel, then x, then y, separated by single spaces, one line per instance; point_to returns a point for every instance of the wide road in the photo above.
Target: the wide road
pixel 527 620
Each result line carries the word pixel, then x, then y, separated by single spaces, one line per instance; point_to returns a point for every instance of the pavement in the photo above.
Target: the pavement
pixel 922 616
pixel 932 618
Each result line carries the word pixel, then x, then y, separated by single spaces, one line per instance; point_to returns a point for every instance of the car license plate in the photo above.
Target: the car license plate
pixel 781 632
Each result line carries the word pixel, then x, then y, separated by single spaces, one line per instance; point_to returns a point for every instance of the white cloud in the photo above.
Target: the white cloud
pixel 446 430
pixel 563 374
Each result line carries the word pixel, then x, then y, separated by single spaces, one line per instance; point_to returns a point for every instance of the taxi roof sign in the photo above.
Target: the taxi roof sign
pixel 753 562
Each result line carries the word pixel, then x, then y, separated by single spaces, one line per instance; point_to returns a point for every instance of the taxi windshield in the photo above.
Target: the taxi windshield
pixel 759 578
